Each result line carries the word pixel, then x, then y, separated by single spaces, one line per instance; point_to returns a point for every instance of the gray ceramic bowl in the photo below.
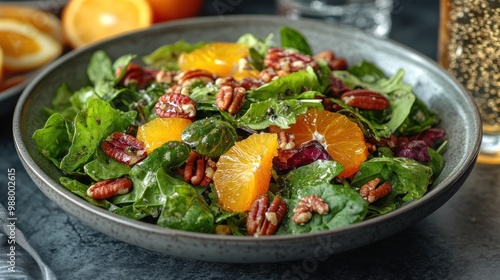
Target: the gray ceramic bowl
pixel 440 92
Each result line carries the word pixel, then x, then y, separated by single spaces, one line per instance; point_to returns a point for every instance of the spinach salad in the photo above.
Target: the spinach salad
pixel 93 135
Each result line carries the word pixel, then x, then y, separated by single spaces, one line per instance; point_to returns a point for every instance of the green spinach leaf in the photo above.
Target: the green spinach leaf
pixel 210 136
pixel 184 208
pixel 262 114
pixel 287 87
pixel 81 190
pixel 318 172
pixel 409 179
pixel 293 39
pixel 346 207
pixel 53 140
pixel 399 94
pixel 103 167
pixel 166 56
pixel 92 124
pixel 100 68
pixel 170 155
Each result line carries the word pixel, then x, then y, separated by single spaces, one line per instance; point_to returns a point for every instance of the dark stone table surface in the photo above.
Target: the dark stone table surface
pixel 461 240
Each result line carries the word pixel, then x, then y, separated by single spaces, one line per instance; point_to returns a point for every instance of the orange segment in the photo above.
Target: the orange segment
pixel 244 171
pixel 242 74
pixel 341 137
pixel 160 131
pixel 220 58
pixel 43 21
pixel 89 21
pixel 25 47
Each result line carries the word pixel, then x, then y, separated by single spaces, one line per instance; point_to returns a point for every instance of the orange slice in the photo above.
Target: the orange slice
pixel 244 171
pixel 341 137
pixel 164 10
pixel 220 58
pixel 160 131
pixel 1 65
pixel 89 21
pixel 25 47
pixel 43 21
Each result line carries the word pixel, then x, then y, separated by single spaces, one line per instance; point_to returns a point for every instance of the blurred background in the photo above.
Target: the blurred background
pixel 414 23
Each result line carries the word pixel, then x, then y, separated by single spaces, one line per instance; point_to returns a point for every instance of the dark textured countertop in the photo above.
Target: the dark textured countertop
pixel 461 240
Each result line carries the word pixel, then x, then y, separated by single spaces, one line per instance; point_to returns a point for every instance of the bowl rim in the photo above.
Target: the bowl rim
pixel 83 205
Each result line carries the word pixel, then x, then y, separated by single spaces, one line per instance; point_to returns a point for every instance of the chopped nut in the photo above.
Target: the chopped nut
pixel 223 230
pixel 308 205
pixel 371 193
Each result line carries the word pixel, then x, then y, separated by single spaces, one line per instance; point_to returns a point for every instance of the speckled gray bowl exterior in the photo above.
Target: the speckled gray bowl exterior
pixel 440 92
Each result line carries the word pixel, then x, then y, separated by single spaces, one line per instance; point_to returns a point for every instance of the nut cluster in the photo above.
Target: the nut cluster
pixel 372 191
pixel 264 219
pixel 230 99
pixel 286 140
pixel 308 205
pixel 198 170
pixel 331 59
pixel 288 60
pixel 142 76
pixel 246 83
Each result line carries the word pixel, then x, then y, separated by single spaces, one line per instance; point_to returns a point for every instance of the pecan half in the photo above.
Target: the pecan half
pixel 365 99
pixel 136 74
pixel 288 60
pixel 286 140
pixel 264 219
pixel 162 76
pixel 308 205
pixel 175 105
pixel 188 77
pixel 246 83
pixel 269 74
pixel 257 213
pixel 273 216
pixel 371 191
pixel 327 55
pixel 124 148
pixel 340 64
pixel 109 188
pixel 332 61
pixel 251 83
pixel 199 170
pixel 336 87
pixel 230 99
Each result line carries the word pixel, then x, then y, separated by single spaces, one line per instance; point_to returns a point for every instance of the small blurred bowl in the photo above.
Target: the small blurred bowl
pixel 8 97
pixel 432 85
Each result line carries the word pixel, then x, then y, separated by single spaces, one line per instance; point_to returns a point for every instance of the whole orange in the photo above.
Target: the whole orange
pixel 164 10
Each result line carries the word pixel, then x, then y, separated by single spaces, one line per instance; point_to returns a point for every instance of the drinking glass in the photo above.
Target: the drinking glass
pixel 373 16
pixel 469 48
